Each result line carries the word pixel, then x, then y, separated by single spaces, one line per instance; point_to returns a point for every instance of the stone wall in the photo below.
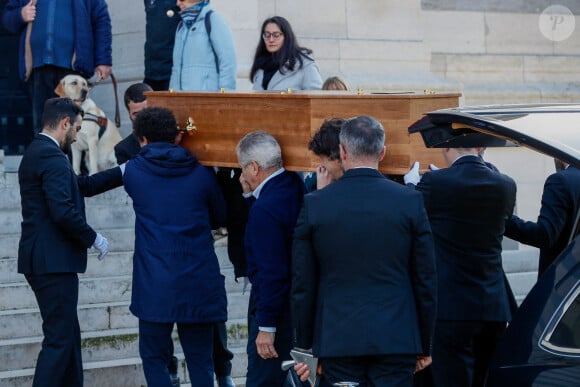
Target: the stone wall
pixel 491 51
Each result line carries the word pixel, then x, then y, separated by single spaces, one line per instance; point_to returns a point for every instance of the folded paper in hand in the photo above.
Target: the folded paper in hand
pixel 302 356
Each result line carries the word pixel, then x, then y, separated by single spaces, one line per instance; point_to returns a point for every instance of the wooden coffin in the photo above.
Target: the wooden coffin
pixel 222 119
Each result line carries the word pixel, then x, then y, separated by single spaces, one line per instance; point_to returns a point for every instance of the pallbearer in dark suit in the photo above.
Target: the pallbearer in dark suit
pixel 468 204
pixel 363 273
pixel 55 237
pixel 276 197
pixel 135 101
pixel 560 206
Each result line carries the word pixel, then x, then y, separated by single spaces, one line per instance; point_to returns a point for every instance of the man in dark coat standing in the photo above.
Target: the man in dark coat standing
pixel 135 101
pixel 560 206
pixel 468 204
pixel 176 273
pixel 363 272
pixel 276 197
pixel 55 237
pixel 161 21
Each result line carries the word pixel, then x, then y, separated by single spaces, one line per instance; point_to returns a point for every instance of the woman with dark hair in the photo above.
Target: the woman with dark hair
pixel 280 63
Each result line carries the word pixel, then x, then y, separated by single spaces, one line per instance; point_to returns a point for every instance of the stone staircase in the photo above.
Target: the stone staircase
pixel 109 330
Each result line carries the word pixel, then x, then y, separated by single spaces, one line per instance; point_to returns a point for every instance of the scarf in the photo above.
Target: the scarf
pixel 270 65
pixel 190 15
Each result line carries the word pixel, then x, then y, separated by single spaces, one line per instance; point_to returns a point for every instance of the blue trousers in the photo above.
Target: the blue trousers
pixel 59 361
pixel 267 372
pixel 154 347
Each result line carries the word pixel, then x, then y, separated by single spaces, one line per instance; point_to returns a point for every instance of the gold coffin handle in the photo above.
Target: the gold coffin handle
pixel 190 127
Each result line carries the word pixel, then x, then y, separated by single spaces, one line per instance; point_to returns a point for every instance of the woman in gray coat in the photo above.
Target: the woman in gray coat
pixel 280 63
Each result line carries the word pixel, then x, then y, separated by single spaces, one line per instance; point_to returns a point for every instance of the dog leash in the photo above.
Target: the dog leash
pixel 117 113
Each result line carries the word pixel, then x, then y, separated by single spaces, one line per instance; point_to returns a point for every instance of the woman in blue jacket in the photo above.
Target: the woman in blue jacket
pixel 280 63
pixel 204 54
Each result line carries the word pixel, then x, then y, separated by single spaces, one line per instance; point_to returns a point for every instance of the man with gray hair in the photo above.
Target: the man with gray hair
pixel 363 270
pixel 276 196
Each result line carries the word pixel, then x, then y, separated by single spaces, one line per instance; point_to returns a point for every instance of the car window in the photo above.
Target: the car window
pixel 563 332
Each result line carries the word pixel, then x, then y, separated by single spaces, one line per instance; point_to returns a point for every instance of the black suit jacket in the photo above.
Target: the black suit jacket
pixel 468 204
pixel 363 268
pixel 55 234
pixel 127 148
pixel 560 206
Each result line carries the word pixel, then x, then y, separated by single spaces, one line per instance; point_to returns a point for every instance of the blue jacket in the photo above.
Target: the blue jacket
pixel 177 202
pixel 268 243
pixel 92 29
pixel 195 67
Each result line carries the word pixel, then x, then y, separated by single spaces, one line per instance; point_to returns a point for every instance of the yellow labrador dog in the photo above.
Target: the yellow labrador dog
pixel 98 135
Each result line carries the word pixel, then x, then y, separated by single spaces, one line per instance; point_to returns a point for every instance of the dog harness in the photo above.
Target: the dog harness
pixel 101 121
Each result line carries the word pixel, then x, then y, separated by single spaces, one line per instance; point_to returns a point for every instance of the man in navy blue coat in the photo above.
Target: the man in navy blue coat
pixel 363 285
pixel 560 206
pixel 176 273
pixel 277 196
pixel 55 237
pixel 468 205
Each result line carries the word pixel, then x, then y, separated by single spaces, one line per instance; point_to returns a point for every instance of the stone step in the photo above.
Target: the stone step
pixel 115 263
pixel 26 322
pixel 525 259
pixel 9 198
pixel 92 290
pixel 10 219
pixel 120 239
pixel 521 268
pixel 102 217
pixel 123 372
pixel 101 213
pixel 522 283
pixel 11 164
pixel 9 245
pixel 96 346
pixel 105 347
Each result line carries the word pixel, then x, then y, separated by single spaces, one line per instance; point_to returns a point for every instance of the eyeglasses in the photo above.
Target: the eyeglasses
pixel 272 35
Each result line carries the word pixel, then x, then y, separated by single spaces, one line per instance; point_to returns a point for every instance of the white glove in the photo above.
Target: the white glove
pixel 246 283
pixel 413 177
pixel 433 167
pixel 102 244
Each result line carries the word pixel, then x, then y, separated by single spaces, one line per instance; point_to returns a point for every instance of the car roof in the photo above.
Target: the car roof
pixel 552 129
